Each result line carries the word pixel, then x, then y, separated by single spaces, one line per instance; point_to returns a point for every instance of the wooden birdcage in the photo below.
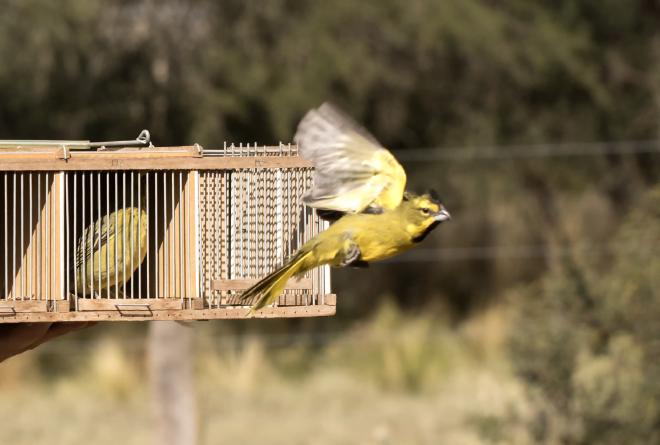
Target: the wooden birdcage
pixel 215 221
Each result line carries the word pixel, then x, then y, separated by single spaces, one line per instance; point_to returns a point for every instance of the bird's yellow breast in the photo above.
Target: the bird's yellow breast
pixel 377 236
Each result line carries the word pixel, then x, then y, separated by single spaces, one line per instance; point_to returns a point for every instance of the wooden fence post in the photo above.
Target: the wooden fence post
pixel 172 386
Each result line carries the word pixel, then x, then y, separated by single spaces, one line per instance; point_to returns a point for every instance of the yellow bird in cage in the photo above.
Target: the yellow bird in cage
pixel 360 184
pixel 111 249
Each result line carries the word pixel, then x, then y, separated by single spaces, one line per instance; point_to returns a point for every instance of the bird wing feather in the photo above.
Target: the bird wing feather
pixel 85 248
pixel 352 170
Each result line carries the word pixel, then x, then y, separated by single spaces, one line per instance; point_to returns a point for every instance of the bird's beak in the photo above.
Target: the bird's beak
pixel 442 215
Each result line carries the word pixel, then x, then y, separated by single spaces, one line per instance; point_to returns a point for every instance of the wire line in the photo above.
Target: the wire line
pixel 510 252
pixel 549 150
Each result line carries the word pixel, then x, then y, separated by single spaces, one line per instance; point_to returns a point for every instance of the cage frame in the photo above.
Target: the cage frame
pixel 59 159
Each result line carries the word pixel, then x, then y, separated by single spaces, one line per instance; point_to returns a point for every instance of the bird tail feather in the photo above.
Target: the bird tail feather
pixel 269 288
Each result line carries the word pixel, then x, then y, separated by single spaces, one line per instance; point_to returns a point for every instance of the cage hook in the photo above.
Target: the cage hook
pixel 144 137
pixel 199 150
pixel 143 140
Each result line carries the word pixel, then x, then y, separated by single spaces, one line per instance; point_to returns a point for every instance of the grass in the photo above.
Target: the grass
pixel 393 380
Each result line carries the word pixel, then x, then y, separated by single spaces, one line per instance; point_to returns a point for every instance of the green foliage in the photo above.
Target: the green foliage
pixel 417 73
pixel 399 352
pixel 595 359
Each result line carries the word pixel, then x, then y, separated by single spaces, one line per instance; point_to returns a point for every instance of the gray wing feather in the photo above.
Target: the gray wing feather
pixel 343 154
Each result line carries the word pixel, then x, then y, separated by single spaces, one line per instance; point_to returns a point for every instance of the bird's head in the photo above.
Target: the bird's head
pixel 423 213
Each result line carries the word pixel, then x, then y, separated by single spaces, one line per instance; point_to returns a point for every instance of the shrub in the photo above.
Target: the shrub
pixel 587 340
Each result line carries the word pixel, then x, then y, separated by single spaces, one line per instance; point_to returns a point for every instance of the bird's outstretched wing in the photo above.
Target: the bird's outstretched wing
pixel 352 170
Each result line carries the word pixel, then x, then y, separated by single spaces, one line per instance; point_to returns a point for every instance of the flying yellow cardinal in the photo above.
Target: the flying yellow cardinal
pixel 356 240
pixel 358 178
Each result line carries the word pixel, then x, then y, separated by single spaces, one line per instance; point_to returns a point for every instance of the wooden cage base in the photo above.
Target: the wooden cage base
pixel 138 311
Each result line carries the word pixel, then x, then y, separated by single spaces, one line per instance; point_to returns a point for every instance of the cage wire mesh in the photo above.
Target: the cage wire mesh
pixel 258 218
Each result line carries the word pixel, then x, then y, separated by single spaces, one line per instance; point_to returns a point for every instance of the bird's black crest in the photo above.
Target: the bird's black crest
pixel 435 197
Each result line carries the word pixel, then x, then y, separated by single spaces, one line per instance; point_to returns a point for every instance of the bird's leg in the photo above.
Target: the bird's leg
pixel 350 255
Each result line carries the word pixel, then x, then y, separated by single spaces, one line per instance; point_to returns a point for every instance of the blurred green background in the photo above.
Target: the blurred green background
pixel 532 317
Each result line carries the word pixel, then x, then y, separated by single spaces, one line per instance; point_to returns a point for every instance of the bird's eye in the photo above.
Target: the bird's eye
pixel 426 210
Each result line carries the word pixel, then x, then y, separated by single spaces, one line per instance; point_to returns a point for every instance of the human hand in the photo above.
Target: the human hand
pixel 21 337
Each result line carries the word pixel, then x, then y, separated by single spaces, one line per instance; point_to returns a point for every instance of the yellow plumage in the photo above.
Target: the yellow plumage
pixel 113 251
pixel 354 240
pixel 359 179
pixel 353 171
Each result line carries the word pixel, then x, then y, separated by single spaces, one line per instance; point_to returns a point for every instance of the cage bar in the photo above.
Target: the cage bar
pixel 153 232
pixel 31 267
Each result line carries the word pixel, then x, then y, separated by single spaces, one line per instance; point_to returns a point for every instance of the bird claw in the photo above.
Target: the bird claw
pixel 351 255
